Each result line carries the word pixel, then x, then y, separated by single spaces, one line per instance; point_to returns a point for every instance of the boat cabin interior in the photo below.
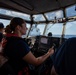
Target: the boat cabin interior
pixel 42 17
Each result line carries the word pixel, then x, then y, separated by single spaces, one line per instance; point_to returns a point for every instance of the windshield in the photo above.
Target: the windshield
pixel 47 22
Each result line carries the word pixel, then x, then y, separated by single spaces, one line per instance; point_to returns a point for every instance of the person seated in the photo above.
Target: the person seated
pixel 5 68
pixel 17 50
pixel 49 34
pixel 64 62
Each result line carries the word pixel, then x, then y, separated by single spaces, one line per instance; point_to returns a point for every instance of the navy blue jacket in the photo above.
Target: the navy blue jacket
pixel 65 58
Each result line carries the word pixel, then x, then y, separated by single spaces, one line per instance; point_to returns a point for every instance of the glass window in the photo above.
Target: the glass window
pixel 71 11
pixel 14 14
pixel 41 27
pixel 55 29
pixel 37 29
pixel 38 17
pixel 70 29
pixel 55 14
pixel 5 22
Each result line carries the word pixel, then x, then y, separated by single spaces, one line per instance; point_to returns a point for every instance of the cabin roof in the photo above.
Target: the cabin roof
pixel 35 6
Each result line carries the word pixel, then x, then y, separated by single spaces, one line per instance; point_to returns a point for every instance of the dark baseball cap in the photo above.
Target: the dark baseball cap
pixel 1 25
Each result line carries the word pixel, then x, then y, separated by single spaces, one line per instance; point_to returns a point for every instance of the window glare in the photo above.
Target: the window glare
pixel 56 29
pixel 14 14
pixel 70 30
pixel 71 10
pixel 39 17
pixel 5 22
pixel 37 29
pixel 54 14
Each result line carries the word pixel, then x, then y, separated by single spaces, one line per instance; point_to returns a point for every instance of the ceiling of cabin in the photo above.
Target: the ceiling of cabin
pixel 35 6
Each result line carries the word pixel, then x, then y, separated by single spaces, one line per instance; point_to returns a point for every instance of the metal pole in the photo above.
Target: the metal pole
pixel 45 29
pixel 30 25
pixel 63 31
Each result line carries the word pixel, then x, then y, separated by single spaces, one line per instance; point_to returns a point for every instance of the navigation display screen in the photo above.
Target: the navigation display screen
pixel 44 40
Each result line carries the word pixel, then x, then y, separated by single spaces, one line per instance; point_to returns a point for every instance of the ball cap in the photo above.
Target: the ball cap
pixel 1 25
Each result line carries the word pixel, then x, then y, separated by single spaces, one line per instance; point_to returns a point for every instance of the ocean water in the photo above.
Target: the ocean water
pixel 65 36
